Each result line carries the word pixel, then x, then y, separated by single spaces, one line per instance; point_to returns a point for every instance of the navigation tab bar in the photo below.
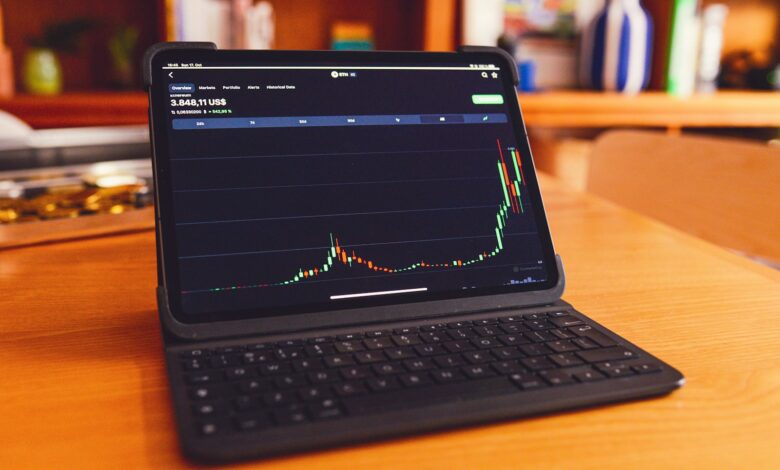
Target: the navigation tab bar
pixel 332 121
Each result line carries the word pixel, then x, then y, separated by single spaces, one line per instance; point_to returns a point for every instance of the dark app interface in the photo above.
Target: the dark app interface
pixel 303 188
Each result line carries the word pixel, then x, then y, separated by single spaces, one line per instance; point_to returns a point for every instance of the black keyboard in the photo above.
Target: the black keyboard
pixel 255 386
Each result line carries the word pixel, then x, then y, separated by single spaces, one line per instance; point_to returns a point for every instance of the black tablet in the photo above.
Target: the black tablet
pixel 304 189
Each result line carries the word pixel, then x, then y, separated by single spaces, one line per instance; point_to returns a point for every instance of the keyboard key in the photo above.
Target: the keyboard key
pixel 606 354
pixel 405 331
pixel 477 357
pixel 537 363
pixel 378 343
pixel 478 371
pixel 539 325
pixel 429 349
pixel 486 343
pixel 514 328
pixel 224 361
pixel 406 340
pixel 462 333
pixel 290 381
pixel 208 429
pixel 205 409
pixel 203 393
pixel 314 393
pixel 278 398
pixel 487 321
pixel 339 361
pixel 589 376
pixel 451 360
pixel 540 336
pixel 320 340
pixel 584 343
pixel 202 378
pixel 418 364
pixel 507 353
pixel 434 327
pixel 237 373
pixel 646 368
pixel 273 368
pixel 319 413
pixel 255 357
pixel 596 336
pixel 506 367
pixel 527 381
pixel 303 365
pixel 562 334
pixel 565 359
pixel 513 339
pixel 446 376
pixel 414 379
pixel 562 346
pixel 319 350
pixel 349 346
pixel 615 369
pixel 458 346
pixel 487 330
pixel 565 321
pixel 194 353
pixel 459 324
pixel 556 377
pixel 511 319
pixel 388 368
pixel 381 384
pixel 287 417
pixel 558 314
pixel 244 402
pixel 368 357
pixel 346 389
pixel 252 423
pixel 193 364
pixel 355 372
pixel 434 337
pixel 229 350
pixel 323 376
pixel 400 353
pixel 286 354
pixel 378 333
pixel 349 336
pixel 324 409
pixel 255 385
pixel 535 350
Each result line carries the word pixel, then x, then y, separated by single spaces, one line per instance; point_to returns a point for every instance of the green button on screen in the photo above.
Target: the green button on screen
pixel 487 99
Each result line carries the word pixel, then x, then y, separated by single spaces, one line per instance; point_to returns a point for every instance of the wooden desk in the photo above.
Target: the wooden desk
pixel 83 383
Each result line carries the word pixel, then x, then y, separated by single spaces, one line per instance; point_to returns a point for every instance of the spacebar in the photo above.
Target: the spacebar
pixel 430 395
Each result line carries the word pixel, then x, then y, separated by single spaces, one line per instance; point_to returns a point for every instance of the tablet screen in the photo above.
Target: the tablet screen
pixel 305 186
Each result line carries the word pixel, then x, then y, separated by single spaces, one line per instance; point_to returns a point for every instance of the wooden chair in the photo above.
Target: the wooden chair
pixel 722 190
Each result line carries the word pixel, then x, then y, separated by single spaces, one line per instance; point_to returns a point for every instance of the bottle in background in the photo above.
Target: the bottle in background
pixel 713 20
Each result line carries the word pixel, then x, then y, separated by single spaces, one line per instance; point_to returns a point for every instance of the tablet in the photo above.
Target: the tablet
pixel 312 188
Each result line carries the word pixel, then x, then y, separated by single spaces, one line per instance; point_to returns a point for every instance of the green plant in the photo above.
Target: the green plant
pixel 121 46
pixel 64 36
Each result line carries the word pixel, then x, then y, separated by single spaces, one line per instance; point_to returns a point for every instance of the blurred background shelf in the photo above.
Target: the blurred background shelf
pixel 79 109
pixel 588 109
pixel 554 109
